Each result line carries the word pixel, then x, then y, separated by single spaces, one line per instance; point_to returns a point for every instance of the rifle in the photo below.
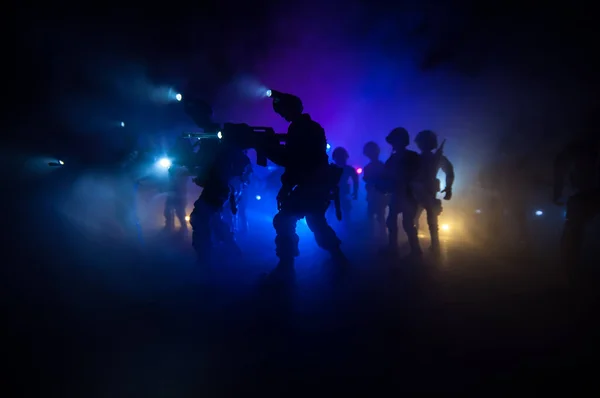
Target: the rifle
pixel 261 139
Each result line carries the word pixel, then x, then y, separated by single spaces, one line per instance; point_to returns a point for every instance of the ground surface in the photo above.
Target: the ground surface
pixel 88 319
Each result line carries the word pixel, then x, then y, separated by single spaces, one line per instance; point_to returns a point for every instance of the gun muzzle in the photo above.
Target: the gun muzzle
pixel 202 135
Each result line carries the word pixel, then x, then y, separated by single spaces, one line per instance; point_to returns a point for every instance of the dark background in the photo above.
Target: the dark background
pixel 74 64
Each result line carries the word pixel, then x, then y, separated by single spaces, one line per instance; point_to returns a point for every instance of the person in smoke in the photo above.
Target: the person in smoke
pixel 401 169
pixel 239 222
pixel 307 183
pixel 218 163
pixel 340 158
pixel 178 176
pixel 373 176
pixel 580 162
pixel 176 198
pixel 427 185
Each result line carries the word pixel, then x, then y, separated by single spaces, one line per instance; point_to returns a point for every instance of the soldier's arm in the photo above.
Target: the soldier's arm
pixel 448 170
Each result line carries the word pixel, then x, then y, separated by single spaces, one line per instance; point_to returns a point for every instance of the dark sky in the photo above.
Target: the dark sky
pixel 68 53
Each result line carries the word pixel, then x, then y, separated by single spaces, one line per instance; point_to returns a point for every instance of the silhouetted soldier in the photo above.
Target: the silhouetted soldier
pixel 307 183
pixel 401 170
pixel 374 176
pixel 427 185
pixel 218 162
pixel 238 222
pixel 340 157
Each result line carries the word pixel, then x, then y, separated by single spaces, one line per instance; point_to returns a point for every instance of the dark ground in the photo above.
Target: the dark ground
pixel 116 322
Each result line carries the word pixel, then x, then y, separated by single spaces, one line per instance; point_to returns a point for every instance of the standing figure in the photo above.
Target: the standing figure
pixel 580 163
pixel 218 189
pixel 217 163
pixel 373 176
pixel 340 158
pixel 176 197
pixel 401 169
pixel 307 182
pixel 238 221
pixel 427 185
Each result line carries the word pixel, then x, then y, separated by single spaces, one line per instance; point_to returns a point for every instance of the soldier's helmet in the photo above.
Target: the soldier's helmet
pixel 287 105
pixel 398 138
pixel 426 140
pixel 340 155
pixel 371 150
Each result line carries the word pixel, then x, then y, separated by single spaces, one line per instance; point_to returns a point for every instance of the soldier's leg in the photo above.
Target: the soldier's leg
pixel 200 220
pixel 418 215
pixel 409 214
pixel 180 212
pixel 223 231
pixel 324 234
pixel 286 239
pixel 433 212
pixel 392 224
pixel 376 216
pixel 168 213
pixel 382 205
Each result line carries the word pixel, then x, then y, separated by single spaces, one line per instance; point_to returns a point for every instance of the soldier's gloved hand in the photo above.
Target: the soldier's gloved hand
pixel 448 192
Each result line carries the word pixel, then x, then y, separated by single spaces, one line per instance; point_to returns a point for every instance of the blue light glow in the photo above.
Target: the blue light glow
pixel 359 170
pixel 328 147
pixel 269 93
pixel 165 163
pixel 219 135
pixel 258 197
pixel 122 124
pixel 539 213
pixel 178 97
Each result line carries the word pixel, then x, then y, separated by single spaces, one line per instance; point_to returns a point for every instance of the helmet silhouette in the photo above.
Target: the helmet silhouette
pixel 426 140
pixel 371 150
pixel 398 138
pixel 340 155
